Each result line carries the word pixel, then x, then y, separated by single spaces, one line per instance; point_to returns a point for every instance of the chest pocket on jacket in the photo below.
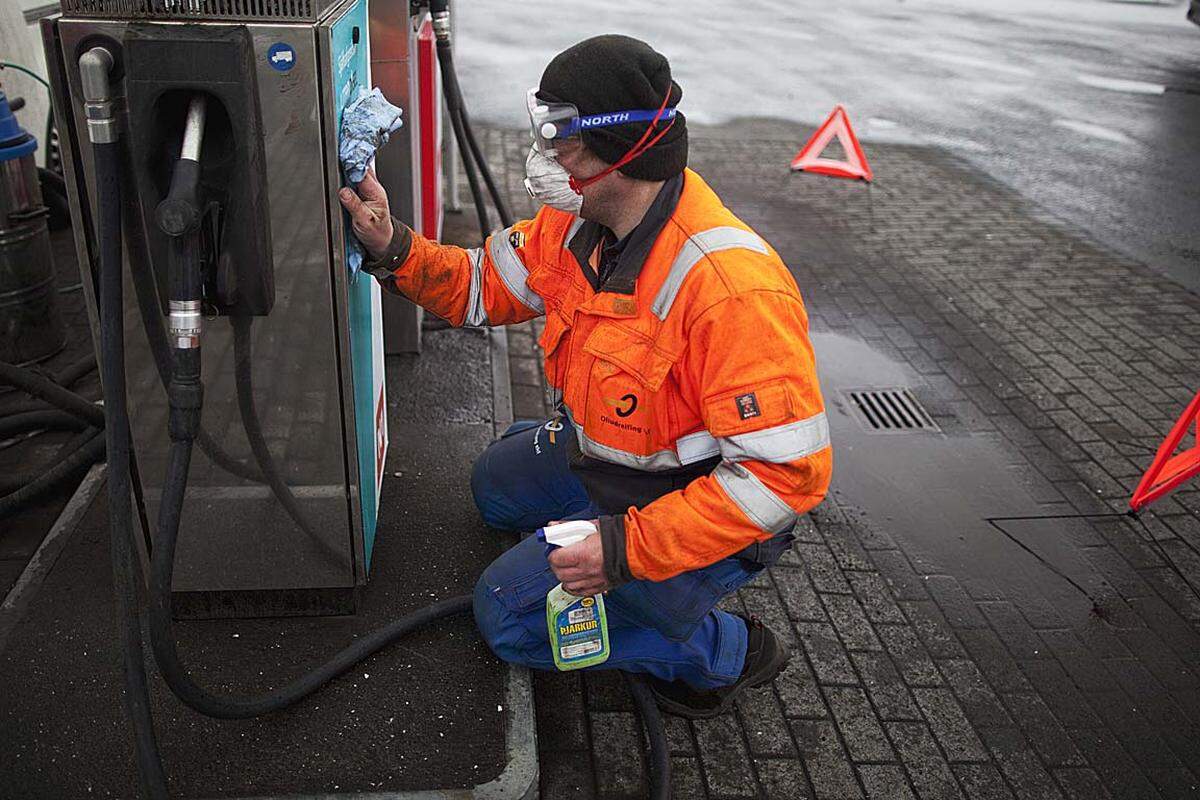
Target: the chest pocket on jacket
pixel 553 336
pixel 624 409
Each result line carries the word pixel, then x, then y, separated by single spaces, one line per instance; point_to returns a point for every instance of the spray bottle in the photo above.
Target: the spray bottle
pixel 578 625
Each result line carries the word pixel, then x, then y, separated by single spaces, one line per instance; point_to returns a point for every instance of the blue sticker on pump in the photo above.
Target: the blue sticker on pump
pixel 281 56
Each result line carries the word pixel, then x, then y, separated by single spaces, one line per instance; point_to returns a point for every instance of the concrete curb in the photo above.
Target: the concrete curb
pixel 519 780
pixel 502 400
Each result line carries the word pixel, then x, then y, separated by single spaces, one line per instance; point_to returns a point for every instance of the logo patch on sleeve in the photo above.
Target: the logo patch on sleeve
pixel 516 239
pixel 747 406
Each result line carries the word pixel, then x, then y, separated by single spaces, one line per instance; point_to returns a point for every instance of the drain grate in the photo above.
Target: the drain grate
pixel 889 410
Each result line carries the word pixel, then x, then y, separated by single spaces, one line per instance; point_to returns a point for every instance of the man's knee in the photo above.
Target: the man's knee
pixel 490 499
pixel 497 625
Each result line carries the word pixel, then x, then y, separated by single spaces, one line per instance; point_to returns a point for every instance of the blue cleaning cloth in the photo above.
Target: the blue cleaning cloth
pixel 367 123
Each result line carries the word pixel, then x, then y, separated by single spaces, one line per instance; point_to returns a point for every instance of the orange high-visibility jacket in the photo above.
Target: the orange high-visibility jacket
pixel 708 359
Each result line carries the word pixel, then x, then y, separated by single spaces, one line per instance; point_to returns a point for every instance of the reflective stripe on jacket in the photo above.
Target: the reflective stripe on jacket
pixel 708 357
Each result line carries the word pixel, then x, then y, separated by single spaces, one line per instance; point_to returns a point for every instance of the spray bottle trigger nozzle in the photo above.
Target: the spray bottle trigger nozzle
pixel 565 534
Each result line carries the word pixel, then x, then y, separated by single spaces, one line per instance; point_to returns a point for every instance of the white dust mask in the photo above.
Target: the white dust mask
pixel 550 184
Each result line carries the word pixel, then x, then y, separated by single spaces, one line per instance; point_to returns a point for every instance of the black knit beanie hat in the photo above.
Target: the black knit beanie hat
pixel 619 73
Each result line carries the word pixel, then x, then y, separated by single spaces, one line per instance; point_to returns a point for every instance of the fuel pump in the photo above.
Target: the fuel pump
pixel 200 148
pixel 180 216
pixel 294 420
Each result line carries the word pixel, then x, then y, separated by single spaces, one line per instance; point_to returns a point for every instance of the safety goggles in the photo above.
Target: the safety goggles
pixel 554 123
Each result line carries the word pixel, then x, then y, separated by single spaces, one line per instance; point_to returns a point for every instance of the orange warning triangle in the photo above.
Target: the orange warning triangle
pixel 1169 469
pixel 837 124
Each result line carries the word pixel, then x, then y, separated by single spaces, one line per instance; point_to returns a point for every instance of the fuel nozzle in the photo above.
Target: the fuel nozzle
pixel 178 216
pixel 179 213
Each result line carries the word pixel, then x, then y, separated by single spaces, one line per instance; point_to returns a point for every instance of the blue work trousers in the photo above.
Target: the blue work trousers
pixel 669 629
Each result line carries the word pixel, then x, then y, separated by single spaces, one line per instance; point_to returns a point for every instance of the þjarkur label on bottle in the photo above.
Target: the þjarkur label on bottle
pixel 578 629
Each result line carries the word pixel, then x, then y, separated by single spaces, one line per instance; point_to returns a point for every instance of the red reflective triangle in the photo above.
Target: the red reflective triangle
pixel 1169 469
pixel 837 124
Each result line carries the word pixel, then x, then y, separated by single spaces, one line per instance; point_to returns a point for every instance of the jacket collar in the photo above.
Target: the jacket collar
pixel 631 251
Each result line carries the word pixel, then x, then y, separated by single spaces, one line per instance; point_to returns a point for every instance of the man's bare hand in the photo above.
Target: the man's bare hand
pixel 580 567
pixel 370 215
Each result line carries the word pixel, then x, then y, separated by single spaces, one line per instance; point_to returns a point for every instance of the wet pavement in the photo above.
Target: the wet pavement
pixel 1090 108
pixel 940 655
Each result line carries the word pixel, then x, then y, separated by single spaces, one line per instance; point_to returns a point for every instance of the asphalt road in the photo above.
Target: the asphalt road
pixel 1090 109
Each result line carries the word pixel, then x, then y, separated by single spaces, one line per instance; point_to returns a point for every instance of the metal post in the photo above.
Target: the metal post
pixel 453 203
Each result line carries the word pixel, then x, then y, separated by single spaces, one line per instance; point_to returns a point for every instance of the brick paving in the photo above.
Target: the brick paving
pixel 909 680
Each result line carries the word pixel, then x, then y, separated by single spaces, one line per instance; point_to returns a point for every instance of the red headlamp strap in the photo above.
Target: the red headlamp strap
pixel 633 152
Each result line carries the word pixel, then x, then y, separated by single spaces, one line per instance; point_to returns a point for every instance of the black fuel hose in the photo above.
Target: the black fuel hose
pixel 161 353
pixel 64 470
pixel 506 217
pixel 162 626
pixel 66 410
pixel 453 101
pixel 71 374
pixel 66 378
pixel 467 144
pixel 74 456
pixel 243 362
pixel 656 736
pixel 156 337
pixel 27 406
pixel 18 489
pixel 136 697
pixel 185 397
pixel 48 391
pixel 47 419
pixel 74 443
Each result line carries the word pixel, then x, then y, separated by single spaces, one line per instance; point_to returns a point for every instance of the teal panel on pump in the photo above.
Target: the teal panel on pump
pixel 351 70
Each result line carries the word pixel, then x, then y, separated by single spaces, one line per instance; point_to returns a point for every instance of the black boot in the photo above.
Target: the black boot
pixel 766 657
